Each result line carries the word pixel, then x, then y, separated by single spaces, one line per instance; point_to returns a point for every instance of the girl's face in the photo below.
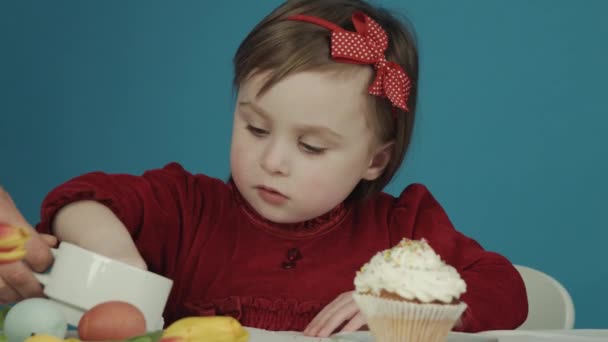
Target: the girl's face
pixel 299 149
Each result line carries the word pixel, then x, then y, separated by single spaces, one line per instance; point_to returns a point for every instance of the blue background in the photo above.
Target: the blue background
pixel 511 131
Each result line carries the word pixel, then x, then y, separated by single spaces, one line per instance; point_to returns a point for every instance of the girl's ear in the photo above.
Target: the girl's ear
pixel 379 161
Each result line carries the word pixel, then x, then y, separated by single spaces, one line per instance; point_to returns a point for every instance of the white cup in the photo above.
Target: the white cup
pixel 80 279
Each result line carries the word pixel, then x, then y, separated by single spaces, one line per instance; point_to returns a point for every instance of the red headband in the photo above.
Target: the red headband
pixel 367 46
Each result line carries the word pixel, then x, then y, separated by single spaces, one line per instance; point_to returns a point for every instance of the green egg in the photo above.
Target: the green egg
pixel 34 316
pixel 150 337
pixel 3 311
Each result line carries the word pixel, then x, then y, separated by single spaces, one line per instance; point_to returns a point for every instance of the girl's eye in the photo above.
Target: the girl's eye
pixel 258 132
pixel 312 149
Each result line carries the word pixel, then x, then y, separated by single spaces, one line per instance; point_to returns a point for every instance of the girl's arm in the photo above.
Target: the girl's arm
pixel 94 226
pixel 158 212
pixel 496 294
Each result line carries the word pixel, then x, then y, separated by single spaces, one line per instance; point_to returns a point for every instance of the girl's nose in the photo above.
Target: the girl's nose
pixel 275 159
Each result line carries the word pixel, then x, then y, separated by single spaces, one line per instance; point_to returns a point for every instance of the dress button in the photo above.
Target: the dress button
pixel 294 254
pixel 288 265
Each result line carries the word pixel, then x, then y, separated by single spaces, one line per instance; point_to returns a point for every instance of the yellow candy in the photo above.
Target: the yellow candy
pixel 208 329
pixel 43 338
pixel 12 243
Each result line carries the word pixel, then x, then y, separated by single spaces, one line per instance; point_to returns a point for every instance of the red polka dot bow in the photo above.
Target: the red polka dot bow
pixel 367 46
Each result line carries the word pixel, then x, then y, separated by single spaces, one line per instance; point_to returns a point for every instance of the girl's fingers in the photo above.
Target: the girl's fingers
pixel 316 324
pixel 339 318
pixel 356 323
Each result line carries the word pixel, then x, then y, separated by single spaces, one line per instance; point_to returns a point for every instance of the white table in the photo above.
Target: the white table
pixel 258 335
pixel 574 335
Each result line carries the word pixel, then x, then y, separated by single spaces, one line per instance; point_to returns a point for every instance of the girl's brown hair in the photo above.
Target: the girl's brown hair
pixel 282 47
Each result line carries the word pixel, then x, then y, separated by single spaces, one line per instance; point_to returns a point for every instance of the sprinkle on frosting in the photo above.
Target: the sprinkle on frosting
pixel 413 271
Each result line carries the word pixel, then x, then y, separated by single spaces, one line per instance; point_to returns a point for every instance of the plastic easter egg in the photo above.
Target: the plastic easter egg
pixel 34 316
pixel 113 320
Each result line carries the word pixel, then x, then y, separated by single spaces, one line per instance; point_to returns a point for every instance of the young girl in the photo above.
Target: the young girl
pixel 324 115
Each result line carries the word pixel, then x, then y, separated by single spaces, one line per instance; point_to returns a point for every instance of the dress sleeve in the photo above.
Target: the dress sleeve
pixel 163 209
pixel 496 295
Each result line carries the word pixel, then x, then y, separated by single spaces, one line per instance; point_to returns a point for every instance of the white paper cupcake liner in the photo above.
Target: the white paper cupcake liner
pixel 400 321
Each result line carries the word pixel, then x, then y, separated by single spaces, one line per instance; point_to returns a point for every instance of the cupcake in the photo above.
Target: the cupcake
pixel 408 294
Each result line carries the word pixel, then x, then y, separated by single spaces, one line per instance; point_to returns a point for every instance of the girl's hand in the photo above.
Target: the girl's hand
pixel 342 312
pixel 16 278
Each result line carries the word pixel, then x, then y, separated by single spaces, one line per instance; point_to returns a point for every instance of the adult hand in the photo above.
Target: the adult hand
pixel 17 280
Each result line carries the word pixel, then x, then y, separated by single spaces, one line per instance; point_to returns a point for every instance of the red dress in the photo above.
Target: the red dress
pixel 227 260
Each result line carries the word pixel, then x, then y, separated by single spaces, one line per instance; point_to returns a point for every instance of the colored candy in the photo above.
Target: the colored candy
pixel 209 329
pixel 12 243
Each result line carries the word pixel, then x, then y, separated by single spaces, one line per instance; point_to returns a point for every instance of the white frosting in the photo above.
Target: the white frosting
pixel 413 271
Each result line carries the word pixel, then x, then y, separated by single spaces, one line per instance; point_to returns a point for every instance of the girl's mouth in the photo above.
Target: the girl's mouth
pixel 271 196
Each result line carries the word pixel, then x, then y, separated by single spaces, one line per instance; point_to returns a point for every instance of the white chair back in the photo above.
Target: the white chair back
pixel 549 303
